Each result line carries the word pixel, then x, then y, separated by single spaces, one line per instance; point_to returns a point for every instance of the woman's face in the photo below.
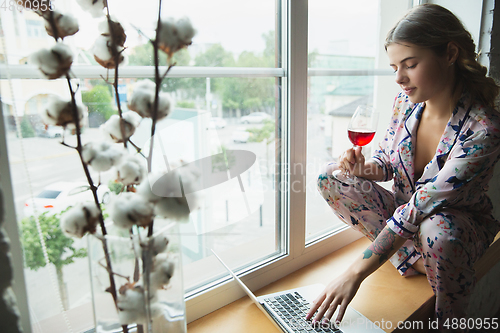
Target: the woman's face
pixel 421 73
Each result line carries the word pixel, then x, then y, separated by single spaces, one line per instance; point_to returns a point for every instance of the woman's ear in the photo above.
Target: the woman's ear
pixel 452 53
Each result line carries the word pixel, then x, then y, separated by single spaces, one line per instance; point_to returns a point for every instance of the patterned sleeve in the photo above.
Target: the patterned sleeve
pixel 460 181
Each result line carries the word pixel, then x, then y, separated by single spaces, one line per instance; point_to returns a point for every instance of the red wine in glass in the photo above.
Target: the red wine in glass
pixel 361 130
pixel 360 137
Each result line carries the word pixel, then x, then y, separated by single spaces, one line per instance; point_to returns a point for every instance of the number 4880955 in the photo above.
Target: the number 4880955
pixel 471 324
pixel 31 5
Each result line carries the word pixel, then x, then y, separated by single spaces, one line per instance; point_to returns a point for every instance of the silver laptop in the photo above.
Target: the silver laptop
pixel 287 310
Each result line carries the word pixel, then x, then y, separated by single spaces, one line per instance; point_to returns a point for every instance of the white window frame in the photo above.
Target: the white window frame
pixel 294 74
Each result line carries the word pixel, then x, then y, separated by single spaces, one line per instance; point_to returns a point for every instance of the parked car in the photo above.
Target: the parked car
pixel 217 123
pixel 49 131
pixel 255 118
pixel 240 135
pixel 57 197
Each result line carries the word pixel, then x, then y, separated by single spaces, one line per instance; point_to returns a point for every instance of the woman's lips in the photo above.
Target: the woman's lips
pixel 408 91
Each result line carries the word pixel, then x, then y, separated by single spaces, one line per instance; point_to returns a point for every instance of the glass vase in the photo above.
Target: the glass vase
pixel 143 268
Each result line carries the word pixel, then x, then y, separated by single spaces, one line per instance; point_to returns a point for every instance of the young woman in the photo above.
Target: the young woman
pixel 440 149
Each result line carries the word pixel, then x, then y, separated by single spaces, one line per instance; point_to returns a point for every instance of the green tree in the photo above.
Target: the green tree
pixel 186 104
pixel 263 134
pixel 143 55
pixel 270 49
pixel 99 101
pixel 215 56
pixel 246 94
pixel 27 130
pixel 60 249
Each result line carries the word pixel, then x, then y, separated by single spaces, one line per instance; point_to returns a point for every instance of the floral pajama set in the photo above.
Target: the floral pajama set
pixel 446 214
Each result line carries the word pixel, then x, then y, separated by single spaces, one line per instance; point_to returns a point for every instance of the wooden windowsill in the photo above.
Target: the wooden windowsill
pixel 385 295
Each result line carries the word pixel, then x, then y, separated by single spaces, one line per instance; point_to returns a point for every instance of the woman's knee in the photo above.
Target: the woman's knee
pixel 325 179
pixel 441 235
pixel 328 168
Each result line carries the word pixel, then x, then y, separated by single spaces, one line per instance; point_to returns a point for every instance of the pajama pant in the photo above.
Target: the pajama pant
pixel 449 241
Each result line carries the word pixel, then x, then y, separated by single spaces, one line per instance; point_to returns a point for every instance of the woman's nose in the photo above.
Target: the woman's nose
pixel 400 77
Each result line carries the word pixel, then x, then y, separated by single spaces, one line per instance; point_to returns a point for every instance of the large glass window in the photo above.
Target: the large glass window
pixel 342 40
pixel 222 112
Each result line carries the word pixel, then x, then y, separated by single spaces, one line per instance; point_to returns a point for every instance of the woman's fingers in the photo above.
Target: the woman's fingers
pixel 342 309
pixel 352 161
pixel 323 308
pixel 338 293
pixel 347 160
pixel 325 304
pixel 315 305
pixel 350 156
pixel 329 313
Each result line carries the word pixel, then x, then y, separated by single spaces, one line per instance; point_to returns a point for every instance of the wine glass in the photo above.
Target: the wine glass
pixel 361 131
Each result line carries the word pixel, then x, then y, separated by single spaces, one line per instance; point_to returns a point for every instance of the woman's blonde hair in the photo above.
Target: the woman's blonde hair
pixel 434 27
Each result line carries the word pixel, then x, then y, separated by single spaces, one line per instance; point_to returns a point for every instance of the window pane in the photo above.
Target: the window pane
pixel 342 35
pixel 227 34
pixel 228 119
pixel 237 216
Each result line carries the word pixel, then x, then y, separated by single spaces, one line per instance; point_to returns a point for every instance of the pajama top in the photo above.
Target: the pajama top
pixel 458 174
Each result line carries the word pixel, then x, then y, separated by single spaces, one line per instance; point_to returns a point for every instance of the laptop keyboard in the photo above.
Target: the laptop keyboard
pixel 292 309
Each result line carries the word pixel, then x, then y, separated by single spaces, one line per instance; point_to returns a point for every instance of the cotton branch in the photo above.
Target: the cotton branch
pixel 76 120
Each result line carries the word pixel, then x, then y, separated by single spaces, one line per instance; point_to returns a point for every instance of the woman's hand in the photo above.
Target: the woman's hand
pixel 339 292
pixel 352 161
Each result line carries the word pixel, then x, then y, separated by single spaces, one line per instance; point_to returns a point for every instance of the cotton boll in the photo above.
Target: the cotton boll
pixel 173 208
pixel 169 203
pixel 102 51
pixel 131 305
pixel 142 100
pixel 59 112
pixel 130 171
pixel 163 106
pixel 109 44
pixel 170 185
pixel 127 317
pixel 190 175
pixel 160 243
pixel 163 271
pixel 174 36
pixel 167 36
pixel 65 24
pixel 132 118
pixel 80 219
pixel 112 127
pixel 101 156
pixel 94 7
pixel 55 62
pixel 168 206
pixel 117 31
pixel 185 31
pixel 129 208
